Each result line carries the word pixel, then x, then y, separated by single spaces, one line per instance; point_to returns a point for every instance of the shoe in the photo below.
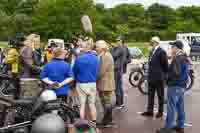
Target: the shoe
pixel 106 125
pixel 147 114
pixel 159 115
pixel 117 107
pixel 165 130
pixel 178 130
pixel 123 105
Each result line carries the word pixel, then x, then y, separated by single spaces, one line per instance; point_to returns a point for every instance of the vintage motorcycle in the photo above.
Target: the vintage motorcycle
pixel 139 77
pixel 17 115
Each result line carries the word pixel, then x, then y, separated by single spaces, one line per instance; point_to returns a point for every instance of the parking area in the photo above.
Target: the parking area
pixel 129 119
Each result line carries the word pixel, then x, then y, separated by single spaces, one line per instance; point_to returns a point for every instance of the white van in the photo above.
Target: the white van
pixel 59 42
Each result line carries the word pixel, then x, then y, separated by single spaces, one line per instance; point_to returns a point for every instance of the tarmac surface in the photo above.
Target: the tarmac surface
pixel 129 119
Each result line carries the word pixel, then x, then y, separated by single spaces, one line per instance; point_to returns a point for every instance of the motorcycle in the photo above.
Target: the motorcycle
pixel 139 78
pixel 18 114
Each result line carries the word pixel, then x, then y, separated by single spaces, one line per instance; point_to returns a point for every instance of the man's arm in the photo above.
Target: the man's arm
pixel 69 75
pixel 175 72
pixel 104 66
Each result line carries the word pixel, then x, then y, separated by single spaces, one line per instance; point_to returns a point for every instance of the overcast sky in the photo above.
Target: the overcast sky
pixel 146 3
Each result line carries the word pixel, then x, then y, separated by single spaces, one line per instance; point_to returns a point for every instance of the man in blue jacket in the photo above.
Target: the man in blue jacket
pixel 57 73
pixel 177 81
pixel 85 71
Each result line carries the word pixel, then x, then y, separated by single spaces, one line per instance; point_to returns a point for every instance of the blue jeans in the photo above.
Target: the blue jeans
pixel 119 91
pixel 175 105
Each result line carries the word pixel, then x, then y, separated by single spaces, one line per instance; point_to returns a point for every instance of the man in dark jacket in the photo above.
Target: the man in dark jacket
pixel 177 81
pixel 119 56
pixel 158 67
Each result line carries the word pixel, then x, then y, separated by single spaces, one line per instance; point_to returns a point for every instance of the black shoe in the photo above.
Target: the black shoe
pixel 106 125
pixel 178 130
pixel 147 114
pixel 159 115
pixel 165 130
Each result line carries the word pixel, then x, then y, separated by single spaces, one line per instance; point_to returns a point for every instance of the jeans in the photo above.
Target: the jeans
pixel 175 104
pixel 119 89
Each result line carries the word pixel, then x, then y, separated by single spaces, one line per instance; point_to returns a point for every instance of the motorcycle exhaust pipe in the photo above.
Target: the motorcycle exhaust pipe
pixel 15 126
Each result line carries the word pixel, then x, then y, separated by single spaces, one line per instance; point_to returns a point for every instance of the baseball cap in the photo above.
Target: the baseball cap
pixel 178 44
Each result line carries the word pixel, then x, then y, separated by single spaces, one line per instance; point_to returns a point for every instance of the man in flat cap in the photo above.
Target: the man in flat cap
pixel 177 81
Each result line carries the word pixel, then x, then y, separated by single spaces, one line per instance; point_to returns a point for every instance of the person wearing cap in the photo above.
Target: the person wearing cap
pixel 119 56
pixel 158 68
pixel 177 82
pixel 58 73
pixel 85 72
pixel 105 81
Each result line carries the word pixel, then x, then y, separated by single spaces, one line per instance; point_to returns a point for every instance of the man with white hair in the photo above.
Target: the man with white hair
pixel 158 68
pixel 105 81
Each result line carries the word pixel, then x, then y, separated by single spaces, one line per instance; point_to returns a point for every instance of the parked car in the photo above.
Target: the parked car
pixel 135 52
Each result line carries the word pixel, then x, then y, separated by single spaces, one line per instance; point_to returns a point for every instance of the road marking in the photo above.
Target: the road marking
pixel 165 114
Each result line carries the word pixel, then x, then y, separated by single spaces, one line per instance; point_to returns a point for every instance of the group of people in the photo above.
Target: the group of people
pixel 91 66
pixel 173 73
pixel 98 71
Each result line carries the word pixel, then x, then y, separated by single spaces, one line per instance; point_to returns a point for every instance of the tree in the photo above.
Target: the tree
pixel 160 16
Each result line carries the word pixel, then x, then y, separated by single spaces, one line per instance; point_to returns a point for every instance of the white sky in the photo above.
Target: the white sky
pixel 146 3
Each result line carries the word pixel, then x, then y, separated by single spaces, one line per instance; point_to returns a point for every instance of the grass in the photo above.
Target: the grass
pixel 141 45
pixel 3 44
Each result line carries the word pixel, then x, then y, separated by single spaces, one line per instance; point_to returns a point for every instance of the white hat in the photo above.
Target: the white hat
pixel 155 39
pixel 101 44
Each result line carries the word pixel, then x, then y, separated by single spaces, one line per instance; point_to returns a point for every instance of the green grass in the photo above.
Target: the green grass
pixel 3 44
pixel 141 45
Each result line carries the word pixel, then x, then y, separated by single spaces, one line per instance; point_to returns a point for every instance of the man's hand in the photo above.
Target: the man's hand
pixel 55 85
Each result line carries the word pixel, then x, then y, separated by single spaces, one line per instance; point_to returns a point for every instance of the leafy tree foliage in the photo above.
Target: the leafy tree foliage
pixel 61 19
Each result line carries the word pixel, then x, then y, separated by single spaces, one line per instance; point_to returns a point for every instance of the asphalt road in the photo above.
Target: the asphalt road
pixel 129 120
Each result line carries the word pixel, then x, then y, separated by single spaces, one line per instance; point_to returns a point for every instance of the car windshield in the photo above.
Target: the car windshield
pixel 134 51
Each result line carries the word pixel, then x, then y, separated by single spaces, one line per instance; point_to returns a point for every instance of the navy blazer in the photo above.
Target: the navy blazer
pixel 158 66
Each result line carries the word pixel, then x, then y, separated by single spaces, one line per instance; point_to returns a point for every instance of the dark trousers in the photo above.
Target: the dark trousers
pixel 119 92
pixel 158 88
pixel 106 100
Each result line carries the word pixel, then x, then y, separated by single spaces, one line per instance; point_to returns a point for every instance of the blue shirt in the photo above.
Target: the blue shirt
pixel 86 67
pixel 57 70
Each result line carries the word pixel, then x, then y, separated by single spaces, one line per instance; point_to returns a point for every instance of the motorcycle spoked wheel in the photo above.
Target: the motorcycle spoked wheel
pixel 135 77
pixel 143 87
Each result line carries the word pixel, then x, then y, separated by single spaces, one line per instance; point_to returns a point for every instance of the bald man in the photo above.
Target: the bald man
pixel 105 81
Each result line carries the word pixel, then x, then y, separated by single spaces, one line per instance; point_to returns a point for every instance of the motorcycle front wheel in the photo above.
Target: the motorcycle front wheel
pixel 135 77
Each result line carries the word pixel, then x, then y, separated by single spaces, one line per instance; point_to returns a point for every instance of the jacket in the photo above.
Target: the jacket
pixel 37 57
pixel 119 56
pixel 12 60
pixel 28 69
pixel 48 56
pixel 105 80
pixel 178 71
pixel 158 66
